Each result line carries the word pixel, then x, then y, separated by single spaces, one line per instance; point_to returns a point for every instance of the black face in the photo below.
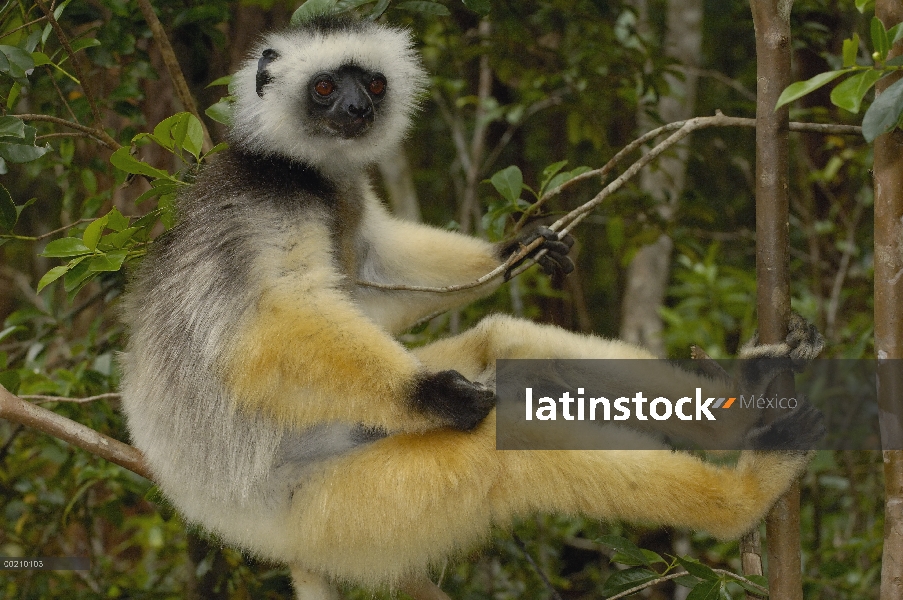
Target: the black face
pixel 344 102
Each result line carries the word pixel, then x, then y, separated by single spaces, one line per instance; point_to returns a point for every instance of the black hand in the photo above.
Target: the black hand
pixel 460 403
pixel 555 260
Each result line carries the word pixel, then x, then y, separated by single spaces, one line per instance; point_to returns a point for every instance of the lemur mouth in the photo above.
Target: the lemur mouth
pixel 353 128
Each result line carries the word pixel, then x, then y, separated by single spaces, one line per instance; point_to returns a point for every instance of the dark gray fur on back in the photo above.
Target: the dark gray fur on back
pixel 184 306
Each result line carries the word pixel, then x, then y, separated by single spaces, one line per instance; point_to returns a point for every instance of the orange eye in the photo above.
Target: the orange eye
pixel 377 86
pixel 324 87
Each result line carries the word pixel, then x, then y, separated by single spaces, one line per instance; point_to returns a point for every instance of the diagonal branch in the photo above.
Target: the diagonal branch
pixel 567 223
pixel 172 66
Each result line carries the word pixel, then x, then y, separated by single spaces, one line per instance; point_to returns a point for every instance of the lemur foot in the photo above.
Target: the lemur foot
pixel 460 403
pixel 797 431
pixel 761 363
pixel 803 342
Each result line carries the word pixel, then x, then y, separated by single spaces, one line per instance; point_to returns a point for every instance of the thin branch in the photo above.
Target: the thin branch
pixel 41 398
pixel 13 408
pixel 551 100
pixel 73 134
pixel 20 27
pixel 98 134
pixel 172 66
pixel 64 40
pixel 520 543
pixel 565 224
pixel 35 238
pixel 719 77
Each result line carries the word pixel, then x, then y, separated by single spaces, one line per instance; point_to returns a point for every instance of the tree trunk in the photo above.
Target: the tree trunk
pixel 648 273
pixel 772 24
pixel 888 178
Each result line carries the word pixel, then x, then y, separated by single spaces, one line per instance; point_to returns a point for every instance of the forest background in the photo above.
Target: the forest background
pixel 667 261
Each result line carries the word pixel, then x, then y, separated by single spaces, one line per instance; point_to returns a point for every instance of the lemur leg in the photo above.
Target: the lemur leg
pixel 475 351
pixel 386 512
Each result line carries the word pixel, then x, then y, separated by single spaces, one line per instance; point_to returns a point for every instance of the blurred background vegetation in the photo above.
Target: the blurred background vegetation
pixel 527 83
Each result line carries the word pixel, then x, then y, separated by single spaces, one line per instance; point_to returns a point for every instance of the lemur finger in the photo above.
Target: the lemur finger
pixel 553 262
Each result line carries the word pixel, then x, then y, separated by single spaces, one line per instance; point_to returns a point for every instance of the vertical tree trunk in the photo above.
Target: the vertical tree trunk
pixel 772 24
pixel 888 178
pixel 647 275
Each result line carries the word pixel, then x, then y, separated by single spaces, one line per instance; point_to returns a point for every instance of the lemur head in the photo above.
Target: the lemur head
pixel 333 93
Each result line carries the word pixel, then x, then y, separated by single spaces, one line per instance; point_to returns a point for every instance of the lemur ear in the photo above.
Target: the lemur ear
pixel 263 76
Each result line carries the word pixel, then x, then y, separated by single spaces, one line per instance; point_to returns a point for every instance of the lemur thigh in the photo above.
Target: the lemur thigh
pixel 475 351
pixel 293 359
pixel 387 511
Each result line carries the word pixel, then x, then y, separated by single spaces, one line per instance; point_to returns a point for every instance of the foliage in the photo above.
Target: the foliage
pixel 81 200
pixel 886 112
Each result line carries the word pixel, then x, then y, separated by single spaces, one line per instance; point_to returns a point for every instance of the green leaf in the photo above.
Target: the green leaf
pixel 111 261
pixel 15 61
pixel 705 590
pixel 894 34
pixel 92 232
pixel 76 277
pixel 312 8
pixel 221 112
pixel 879 38
pixel 850 50
pixel 563 178
pixel 116 220
pixel 40 59
pixel 626 579
pixel 121 159
pixel 22 151
pixel 51 276
pixel 10 380
pixel 696 568
pixel 160 187
pixel 218 148
pixel 378 10
pixel 345 5
pixel 548 173
pixel 884 112
pixel 509 182
pixel 480 7
pixel 193 138
pixel 12 127
pixel 8 213
pixel 801 88
pixel 850 92
pixel 84 43
pixel 118 240
pixel 426 8
pixel 13 96
pixel 65 247
pixel 224 80
pixel 759 580
pixel 863 5
pixel 626 553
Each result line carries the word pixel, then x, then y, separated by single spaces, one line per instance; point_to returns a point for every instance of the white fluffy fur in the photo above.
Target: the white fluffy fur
pixel 274 124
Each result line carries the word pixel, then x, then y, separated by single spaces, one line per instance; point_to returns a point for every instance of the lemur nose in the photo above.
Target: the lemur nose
pixel 362 111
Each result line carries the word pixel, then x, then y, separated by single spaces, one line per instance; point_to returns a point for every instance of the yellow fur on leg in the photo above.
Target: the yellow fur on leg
pixel 384 513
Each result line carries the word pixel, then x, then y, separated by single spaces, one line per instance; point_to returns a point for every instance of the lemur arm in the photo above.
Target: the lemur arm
pixel 306 354
pixel 408 253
